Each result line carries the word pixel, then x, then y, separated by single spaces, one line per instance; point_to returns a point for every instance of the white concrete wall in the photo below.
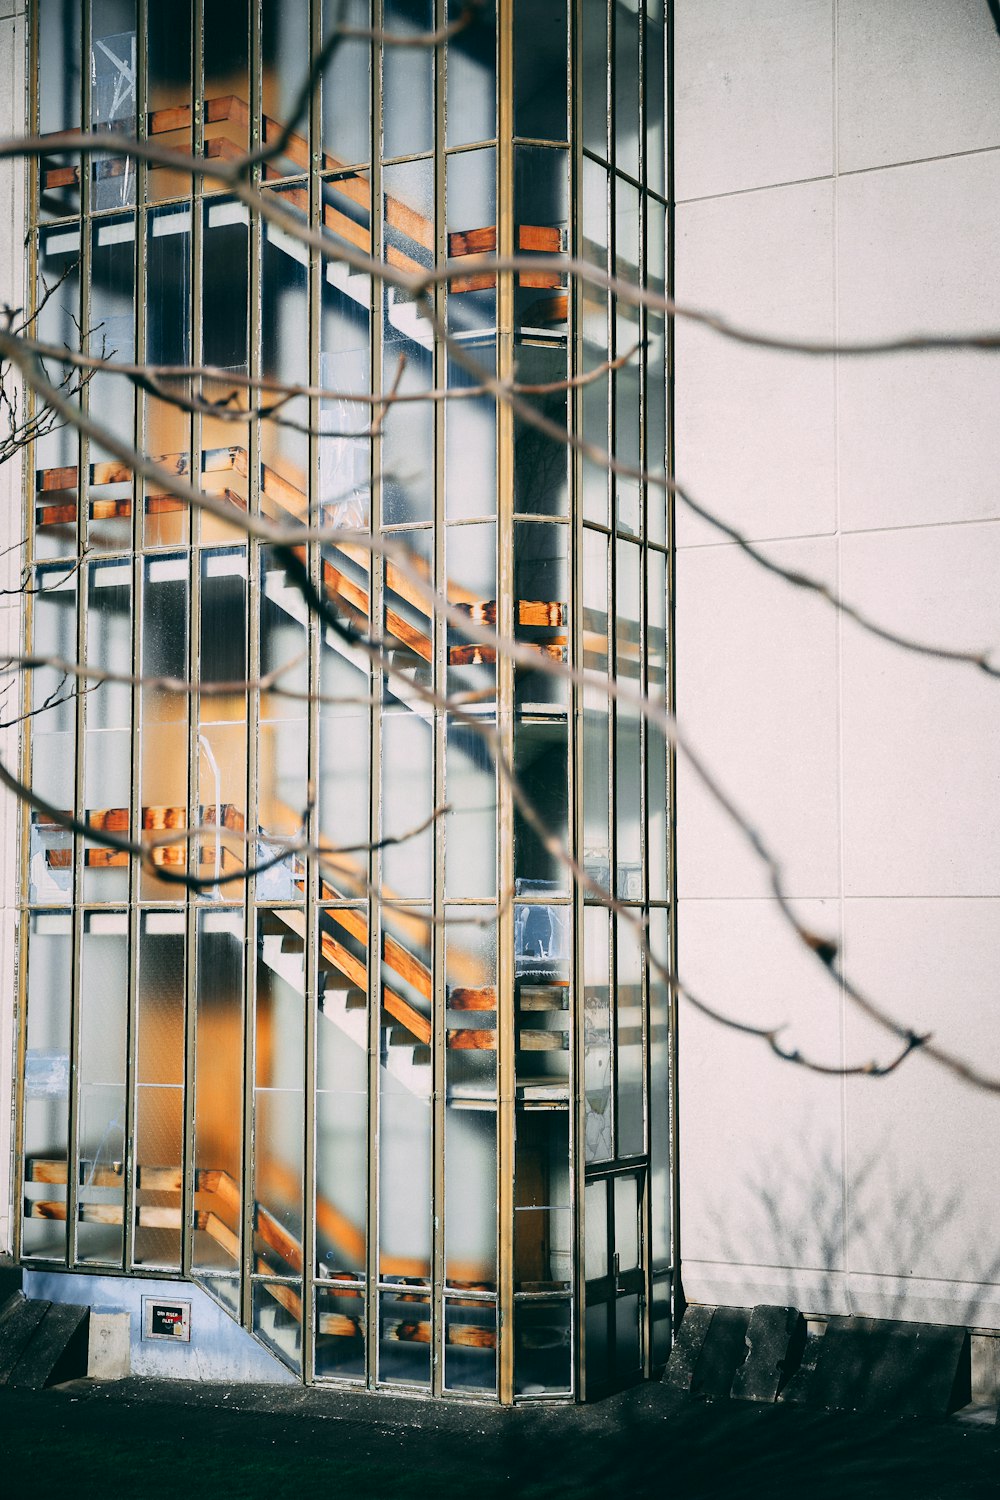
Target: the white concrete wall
pixel 838 174
pixel 12 291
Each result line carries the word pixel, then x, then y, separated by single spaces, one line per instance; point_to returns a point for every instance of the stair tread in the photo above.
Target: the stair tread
pixel 56 1340
pixel 16 1332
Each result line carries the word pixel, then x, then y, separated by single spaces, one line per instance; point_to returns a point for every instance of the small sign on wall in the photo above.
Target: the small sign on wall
pixel 166 1320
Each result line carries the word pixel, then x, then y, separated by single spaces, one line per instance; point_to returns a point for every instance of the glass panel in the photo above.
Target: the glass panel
pixel 659 1092
pixel 168 61
pixel 656 373
pixel 540 211
pixel 541 602
pixel 168 342
pixel 276 1319
pixel 472 74
pixel 405 1080
pixel 218 1120
pixel 407 802
pixel 112 336
pixel 404 1349
pixel 627 1222
pixel 541 462
pixel 225 323
pixel 279 1107
pixel 283 735
pixel 53 735
pixel 345 362
pixel 628 1336
pixel 284 449
pixel 627 396
pixel 346 87
pixel 656 156
pixel 628 736
pixel 542 1348
pixel 471 824
pixel 159 1104
pixel 661 1322
pixel 625 76
pixel 472 230
pixel 227 78
pixel 596 74
pixel 340 1333
pixel 284 43
pixel 108 741
pixel 543 1222
pixel 470 1356
pixel 408 80
pixel 596 428
pixel 222 737
pixel 470 1117
pixel 344 751
pixel 101 1065
pixel 596 1230
pixel 470 437
pixel 657 832
pixel 59 103
pixel 164 732
pixel 598 1091
pixel 57 446
pixel 341 1093
pixel 541 48
pixel 408 428
pixel 542 943
pixel 541 772
pixel 113 75
pixel 596 712
pixel 598 1318
pixel 629 1054
pixel 46 1084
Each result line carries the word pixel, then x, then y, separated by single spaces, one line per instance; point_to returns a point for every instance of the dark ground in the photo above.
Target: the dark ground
pixel 153 1438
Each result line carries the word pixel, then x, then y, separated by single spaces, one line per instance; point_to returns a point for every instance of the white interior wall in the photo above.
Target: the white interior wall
pixel 838 174
pixel 12 117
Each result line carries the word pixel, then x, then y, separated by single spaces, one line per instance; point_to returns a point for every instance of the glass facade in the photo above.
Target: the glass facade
pixel 390 1084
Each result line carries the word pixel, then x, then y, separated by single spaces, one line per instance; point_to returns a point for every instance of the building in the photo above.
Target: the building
pixel 407 1113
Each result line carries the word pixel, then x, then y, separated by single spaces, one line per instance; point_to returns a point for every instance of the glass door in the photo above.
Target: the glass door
pixel 615 1279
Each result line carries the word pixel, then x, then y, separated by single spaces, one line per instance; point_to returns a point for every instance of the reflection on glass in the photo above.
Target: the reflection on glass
pixel 345 360
pixel 222 733
pixel 596 712
pixel 159 1098
pixel 218 1120
pixel 284 450
pixel 656 156
pixel 659 1090
pixel 625 77
pixel 227 77
pixel 276 1319
pixel 284 39
pixel 541 184
pixel 101 1097
pixel 408 428
pixel 225 324
pixel 656 740
pixel 46 1085
pixel 283 734
pixel 112 337
pixel 113 95
pixel 594 89
pixel 541 462
pixel 596 1262
pixel 344 757
pixel 471 222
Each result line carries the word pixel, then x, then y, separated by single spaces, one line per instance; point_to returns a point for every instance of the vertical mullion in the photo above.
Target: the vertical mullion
pixel 251 705
pixel 505 702
pixel 377 298
pixel 313 830
pixel 194 653
pixel 439 377
pixel 82 515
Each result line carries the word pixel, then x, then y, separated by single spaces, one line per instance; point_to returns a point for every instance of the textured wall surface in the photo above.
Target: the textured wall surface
pixel 12 261
pixel 838 174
